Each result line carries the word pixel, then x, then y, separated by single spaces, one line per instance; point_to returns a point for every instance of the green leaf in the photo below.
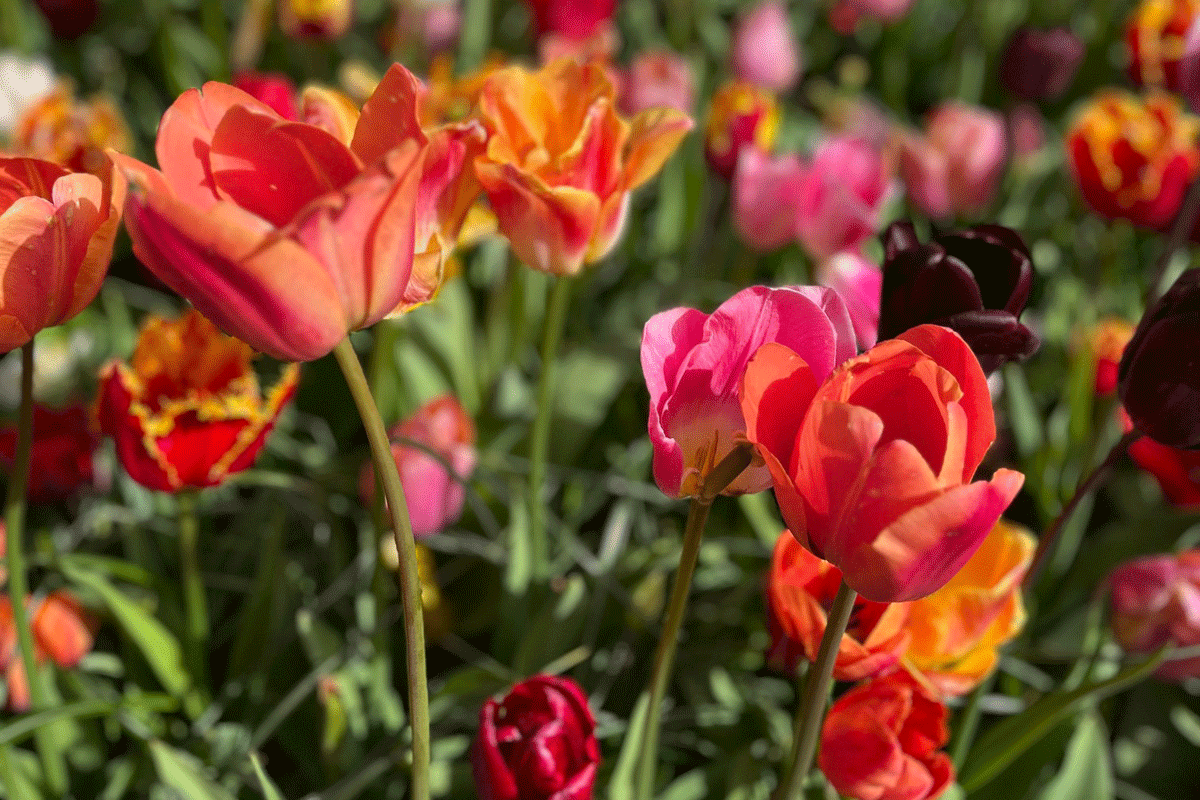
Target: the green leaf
pixel 23 726
pixel 622 784
pixel 1086 772
pixel 1025 419
pixel 997 748
pixel 269 790
pixel 185 774
pixel 14 778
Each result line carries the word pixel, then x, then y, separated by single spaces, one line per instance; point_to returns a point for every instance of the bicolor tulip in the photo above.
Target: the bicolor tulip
pixel 305 19
pixel 1107 341
pixel 1156 601
pixel 62 632
pixel 872 467
pixel 433 493
pixel 1040 64
pixel 187 410
pixel 881 741
pixel 560 162
pixel 764 50
pixel 800 590
pixel 693 363
pixel 71 132
pixel 955 166
pixel 1133 157
pixel 56 239
pixel 741 116
pixel 61 458
pixel 1154 36
pixel 957 631
pixel 279 231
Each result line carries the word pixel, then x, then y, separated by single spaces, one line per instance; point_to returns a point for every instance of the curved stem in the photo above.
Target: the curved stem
pixel 1098 476
pixel 1185 220
pixel 715 482
pixel 539 442
pixel 14 522
pixel 410 582
pixel 194 601
pixel 816 692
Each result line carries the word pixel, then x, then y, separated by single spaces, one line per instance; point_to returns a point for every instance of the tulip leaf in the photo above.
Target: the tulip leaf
pixel 1024 417
pixel 1000 745
pixel 23 726
pixel 1086 772
pixel 14 775
pixel 269 790
pixel 622 784
pixel 185 774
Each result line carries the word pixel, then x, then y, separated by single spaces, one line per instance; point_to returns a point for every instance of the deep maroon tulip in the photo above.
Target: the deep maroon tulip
pixel 69 19
pixel 1159 375
pixel 974 281
pixel 538 743
pixel 1040 64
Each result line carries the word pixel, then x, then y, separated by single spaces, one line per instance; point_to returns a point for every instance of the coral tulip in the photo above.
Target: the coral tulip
pixel 62 632
pixel 56 238
pixel 1156 601
pixel 872 467
pixel 187 410
pixel 956 165
pixel 692 363
pixel 560 162
pixel 61 458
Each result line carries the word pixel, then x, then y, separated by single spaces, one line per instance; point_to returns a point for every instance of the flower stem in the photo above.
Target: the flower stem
pixel 194 600
pixel 14 521
pixel 1098 476
pixel 967 723
pixel 816 692
pixel 539 442
pixel 723 474
pixel 410 583
pixel 1185 220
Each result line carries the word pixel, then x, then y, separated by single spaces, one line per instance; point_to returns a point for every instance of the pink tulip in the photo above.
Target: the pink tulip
pixel 845 14
pixel 275 90
pixel 765 193
pixel 1156 601
pixel 764 48
pixel 839 201
pixel 955 167
pixel 658 79
pixel 858 282
pixel 693 363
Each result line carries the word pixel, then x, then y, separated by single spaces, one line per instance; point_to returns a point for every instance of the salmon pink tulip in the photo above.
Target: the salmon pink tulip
pixel 843 191
pixel 693 362
pixel 956 166
pixel 56 239
pixel 658 78
pixel 277 230
pixel 62 632
pixel 872 467
pixel 560 162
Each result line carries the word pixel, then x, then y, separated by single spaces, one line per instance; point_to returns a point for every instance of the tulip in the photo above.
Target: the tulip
pixel 1154 35
pixel 1133 158
pixel 841 196
pixel 1026 130
pixel 800 590
pixel 846 14
pixel 693 363
pixel 276 90
pixel 61 458
pixel 577 19
pixel 955 167
pixel 764 50
pixel 71 133
pixel 741 116
pixel 1040 64
pixel 766 190
pixel 560 162
pixel 881 739
pixel 1107 342
pixel 872 467
pixel 69 19
pixel 1159 375
pixel 1189 66
pixel 657 79
pixel 278 231
pixel 1176 471
pixel 56 239
pixel 957 630
pixel 538 743
pixel 858 282
pixel 434 495
pixel 187 410
pixel 62 632
pixel 975 281
pixel 1156 601
pixel 316 19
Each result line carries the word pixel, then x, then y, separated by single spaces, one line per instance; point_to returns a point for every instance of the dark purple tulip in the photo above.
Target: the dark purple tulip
pixel 974 281
pixel 69 19
pixel 538 743
pixel 1040 64
pixel 1159 375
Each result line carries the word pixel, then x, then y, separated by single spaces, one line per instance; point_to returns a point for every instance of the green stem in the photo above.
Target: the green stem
pixel 539 442
pixel 474 34
pixel 410 582
pixel 723 474
pixel 212 20
pixel 967 722
pixel 816 693
pixel 14 521
pixel 194 600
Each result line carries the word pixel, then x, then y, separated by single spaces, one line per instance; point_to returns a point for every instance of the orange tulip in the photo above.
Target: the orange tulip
pixel 957 630
pixel 800 589
pixel 56 239
pixel 872 469
pixel 70 132
pixel 62 631
pixel 560 162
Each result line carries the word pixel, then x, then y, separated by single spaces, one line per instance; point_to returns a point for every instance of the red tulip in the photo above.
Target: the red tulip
pixel 61 460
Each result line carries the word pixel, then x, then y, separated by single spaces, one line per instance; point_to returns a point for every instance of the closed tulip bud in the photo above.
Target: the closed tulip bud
pixel 1159 374
pixel 316 19
pixel 766 190
pixel 1154 36
pixel 975 281
pixel 956 165
pixel 881 741
pixel 1156 601
pixel 62 632
pixel 740 116
pixel 1040 64
pixel 1133 158
pixel 764 50
pixel 538 743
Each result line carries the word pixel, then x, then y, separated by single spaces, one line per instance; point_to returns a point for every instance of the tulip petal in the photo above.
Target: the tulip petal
pixel 776 382
pixel 390 116
pixel 332 112
pixel 654 136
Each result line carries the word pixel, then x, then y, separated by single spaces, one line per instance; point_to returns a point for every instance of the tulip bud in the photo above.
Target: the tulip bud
pixel 1155 35
pixel 840 197
pixel 1156 601
pixel 538 743
pixel 955 167
pixel 975 281
pixel 1159 374
pixel 765 191
pixel 1040 64
pixel 764 50
pixel 740 116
